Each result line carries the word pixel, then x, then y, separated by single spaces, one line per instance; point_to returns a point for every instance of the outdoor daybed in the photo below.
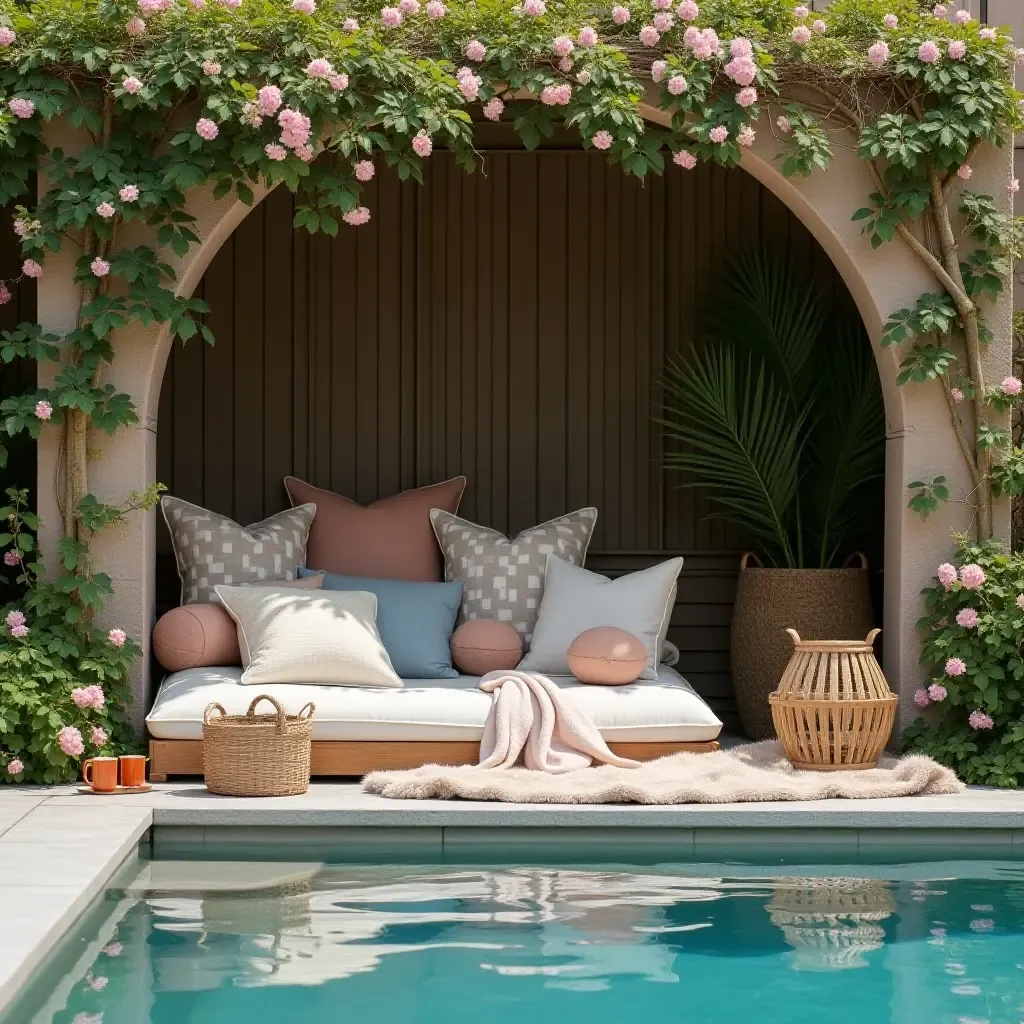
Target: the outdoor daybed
pixel 357 730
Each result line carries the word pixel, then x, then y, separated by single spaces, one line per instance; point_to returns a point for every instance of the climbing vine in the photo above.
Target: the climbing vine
pixel 122 108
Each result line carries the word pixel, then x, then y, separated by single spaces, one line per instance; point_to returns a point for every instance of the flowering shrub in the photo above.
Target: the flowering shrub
pixel 63 682
pixel 974 648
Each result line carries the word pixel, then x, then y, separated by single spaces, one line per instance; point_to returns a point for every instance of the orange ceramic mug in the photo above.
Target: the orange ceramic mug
pixel 103 776
pixel 133 770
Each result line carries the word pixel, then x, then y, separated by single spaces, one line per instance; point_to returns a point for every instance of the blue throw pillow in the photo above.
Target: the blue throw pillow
pixel 415 621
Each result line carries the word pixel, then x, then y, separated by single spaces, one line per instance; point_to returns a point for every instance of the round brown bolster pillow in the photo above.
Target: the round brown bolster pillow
pixel 483 645
pixel 196 635
pixel 607 655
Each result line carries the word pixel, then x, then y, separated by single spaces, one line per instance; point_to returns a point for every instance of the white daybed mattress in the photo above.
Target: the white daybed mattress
pixel 431 709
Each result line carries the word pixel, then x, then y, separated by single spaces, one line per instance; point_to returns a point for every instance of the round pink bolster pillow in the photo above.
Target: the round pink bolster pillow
pixel 607 655
pixel 483 645
pixel 196 635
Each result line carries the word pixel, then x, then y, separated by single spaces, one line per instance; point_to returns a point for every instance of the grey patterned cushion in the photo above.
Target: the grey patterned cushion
pixel 212 549
pixel 504 579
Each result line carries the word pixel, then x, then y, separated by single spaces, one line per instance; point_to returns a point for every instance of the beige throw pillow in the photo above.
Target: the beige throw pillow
pixel 328 637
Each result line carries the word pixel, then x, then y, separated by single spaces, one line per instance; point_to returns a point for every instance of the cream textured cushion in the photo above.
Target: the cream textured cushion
pixel 504 579
pixel 327 637
pixel 576 599
pixel 433 709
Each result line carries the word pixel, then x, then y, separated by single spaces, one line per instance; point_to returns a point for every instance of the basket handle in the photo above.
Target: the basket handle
pixel 213 707
pixel 871 637
pixel 794 635
pixel 281 720
pixel 310 707
pixel 747 556
pixel 856 554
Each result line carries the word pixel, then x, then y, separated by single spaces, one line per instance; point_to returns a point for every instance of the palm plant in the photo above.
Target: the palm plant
pixel 779 414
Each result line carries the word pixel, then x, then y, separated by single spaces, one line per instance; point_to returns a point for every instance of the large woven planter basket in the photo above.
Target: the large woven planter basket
pixel 833 709
pixel 257 755
pixel 818 603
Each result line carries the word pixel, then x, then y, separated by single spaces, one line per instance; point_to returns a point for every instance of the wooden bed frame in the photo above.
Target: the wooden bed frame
pixel 343 757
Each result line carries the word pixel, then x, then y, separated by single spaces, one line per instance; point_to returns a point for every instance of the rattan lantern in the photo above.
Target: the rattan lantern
pixel 833 710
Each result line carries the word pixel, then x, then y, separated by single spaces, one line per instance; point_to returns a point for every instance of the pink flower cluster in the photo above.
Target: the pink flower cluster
pixel 1011 386
pixel 890 21
pixel 741 69
pixel 43 410
pixel 685 159
pixel 688 11
pixel 534 8
pixel 436 9
pixel 979 720
pixel 972 576
pixel 357 217
pixel 207 129
pixel 88 697
pixel 15 766
pixel 587 37
pixel 493 109
pixel 5 293
pixel 70 741
pixel 16 624
pixel 958 49
pixel 718 134
pixel 663 22
pixel 921 698
pixel 964 172
pixel 602 140
pixel 955 667
pixel 561 46
pixel 967 617
pixel 320 68
pixel 7 35
pixel 746 135
pixel 295 128
pixel 364 170
pixel 129 193
pixel 390 17
pixel 782 123
pixel 11 558
pixel 620 14
pixel 106 210
pixel 97 736
pixel 658 69
pixel 99 267
pixel 583 77
pixel 469 84
pixel 153 6
pixel 304 6
pixel 676 85
pixel 131 85
pixel 705 45
pixel 21 107
pixel 556 95
pixel 32 269
pixel 117 637
pixel 275 151
pixel 409 6
pixel 350 25
pixel 937 693
pixel 476 51
pixel 878 53
pixel 135 27
pixel 801 35
pixel 928 52
pixel 989 34
pixel 1020 602
pixel 746 97
pixel 946 574
pixel 213 67
pixel 422 145
pixel 649 35
pixel 268 99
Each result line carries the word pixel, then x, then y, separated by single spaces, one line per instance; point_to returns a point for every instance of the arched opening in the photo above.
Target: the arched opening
pixel 511 326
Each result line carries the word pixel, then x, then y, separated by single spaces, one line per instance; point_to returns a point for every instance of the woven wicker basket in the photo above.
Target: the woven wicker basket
pixel 833 709
pixel 257 755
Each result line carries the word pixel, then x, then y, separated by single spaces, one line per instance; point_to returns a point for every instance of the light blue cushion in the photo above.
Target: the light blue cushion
pixel 415 621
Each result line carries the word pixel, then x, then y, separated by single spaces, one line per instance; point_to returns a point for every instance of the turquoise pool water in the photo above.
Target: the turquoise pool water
pixel 186 942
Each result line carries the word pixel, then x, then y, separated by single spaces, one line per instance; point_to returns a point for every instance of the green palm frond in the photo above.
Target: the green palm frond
pixel 846 453
pixel 764 307
pixel 739 436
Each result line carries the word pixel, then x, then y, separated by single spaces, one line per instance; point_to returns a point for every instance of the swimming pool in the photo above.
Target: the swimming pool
pixel 198 942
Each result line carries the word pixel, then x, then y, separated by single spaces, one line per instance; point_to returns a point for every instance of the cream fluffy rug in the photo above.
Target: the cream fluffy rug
pixel 754 773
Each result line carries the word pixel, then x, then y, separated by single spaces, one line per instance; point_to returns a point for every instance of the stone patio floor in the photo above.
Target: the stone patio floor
pixel 58 848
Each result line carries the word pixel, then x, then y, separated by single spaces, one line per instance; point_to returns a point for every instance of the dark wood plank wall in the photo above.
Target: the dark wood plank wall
pixel 19 376
pixel 509 325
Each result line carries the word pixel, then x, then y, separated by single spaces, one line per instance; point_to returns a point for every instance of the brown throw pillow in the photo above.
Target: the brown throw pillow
pixel 390 539
pixel 197 635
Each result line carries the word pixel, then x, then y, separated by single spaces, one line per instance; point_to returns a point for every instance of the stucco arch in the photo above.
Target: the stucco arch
pixel 919 435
